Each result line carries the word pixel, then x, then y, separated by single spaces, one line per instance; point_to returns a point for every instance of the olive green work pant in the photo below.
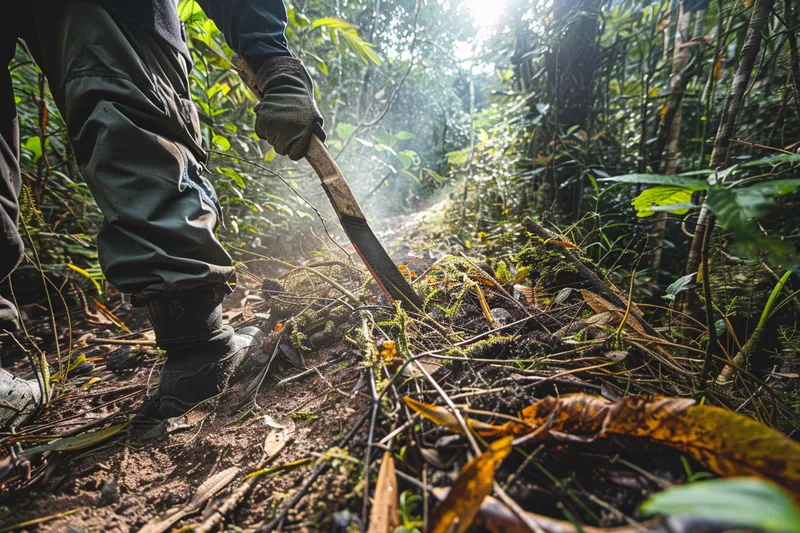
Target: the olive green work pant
pixel 135 134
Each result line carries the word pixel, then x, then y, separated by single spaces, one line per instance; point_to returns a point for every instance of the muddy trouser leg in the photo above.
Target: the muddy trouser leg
pixel 135 134
pixel 10 242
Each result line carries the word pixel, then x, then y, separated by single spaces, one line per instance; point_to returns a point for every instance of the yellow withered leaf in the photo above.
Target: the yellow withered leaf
pixel 443 416
pixel 575 414
pixel 726 443
pixel 458 510
pixel 383 517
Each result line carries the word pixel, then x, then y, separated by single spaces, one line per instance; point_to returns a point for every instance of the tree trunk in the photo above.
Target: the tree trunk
pixel 789 19
pixel 570 65
pixel 671 125
pixel 570 68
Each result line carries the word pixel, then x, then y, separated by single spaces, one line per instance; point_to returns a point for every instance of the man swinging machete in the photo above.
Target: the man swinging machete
pixel 118 71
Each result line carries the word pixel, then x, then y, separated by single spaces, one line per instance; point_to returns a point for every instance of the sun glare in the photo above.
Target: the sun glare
pixel 486 13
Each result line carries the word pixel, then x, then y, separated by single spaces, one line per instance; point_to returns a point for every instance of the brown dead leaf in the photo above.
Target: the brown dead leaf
pixel 599 305
pixel 726 443
pixel 571 413
pixel 564 244
pixel 383 516
pixel 718 68
pixel 524 294
pixel 458 510
pixel 443 416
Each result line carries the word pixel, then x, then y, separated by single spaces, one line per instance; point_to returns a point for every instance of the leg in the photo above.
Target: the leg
pixel 10 242
pixel 19 398
pixel 136 139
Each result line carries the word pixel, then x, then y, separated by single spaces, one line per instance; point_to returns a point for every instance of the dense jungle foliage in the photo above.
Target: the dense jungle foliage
pixel 638 128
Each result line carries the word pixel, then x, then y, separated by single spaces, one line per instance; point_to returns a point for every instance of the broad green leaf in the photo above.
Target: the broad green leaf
pixel 415 159
pixel 735 209
pixel 458 158
pixel 405 135
pixel 344 130
pixel 774 188
pixel 404 159
pixel 748 502
pixel 190 11
pixel 233 175
pixel 222 142
pixel 773 160
pixel 680 285
pixel 270 155
pixel 660 179
pixel 662 196
pixel 34 144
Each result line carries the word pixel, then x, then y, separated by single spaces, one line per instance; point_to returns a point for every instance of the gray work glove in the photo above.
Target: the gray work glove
pixel 287 116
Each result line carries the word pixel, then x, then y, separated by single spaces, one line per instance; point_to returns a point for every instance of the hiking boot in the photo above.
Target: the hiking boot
pixel 19 399
pixel 202 353
pixel 9 317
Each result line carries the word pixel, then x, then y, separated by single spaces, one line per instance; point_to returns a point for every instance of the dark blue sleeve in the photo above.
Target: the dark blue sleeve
pixel 253 28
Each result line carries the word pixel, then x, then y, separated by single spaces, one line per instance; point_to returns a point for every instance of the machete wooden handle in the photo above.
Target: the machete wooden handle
pixel 339 193
pixel 318 156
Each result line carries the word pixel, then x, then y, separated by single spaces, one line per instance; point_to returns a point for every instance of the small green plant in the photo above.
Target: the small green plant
pixel 748 502
pixel 409 513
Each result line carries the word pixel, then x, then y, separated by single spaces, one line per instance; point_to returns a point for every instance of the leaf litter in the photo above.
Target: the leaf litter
pixel 516 401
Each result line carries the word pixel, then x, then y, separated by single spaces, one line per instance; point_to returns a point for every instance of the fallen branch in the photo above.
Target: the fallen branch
pixel 588 275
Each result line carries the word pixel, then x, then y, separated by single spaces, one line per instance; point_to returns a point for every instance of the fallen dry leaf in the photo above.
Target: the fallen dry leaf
pixel 443 416
pixel 565 244
pixel 383 516
pixel 600 305
pixel 458 510
pixel 726 443
pixel 577 414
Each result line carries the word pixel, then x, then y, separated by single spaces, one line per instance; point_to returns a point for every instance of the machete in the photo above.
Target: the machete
pixel 354 223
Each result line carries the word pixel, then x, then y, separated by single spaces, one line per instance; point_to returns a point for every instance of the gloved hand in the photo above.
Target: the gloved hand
pixel 287 116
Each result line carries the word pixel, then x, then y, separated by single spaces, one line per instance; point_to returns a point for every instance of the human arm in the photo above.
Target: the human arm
pixel 287 116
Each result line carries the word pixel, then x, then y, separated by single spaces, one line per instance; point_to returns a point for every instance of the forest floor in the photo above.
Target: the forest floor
pixel 601 407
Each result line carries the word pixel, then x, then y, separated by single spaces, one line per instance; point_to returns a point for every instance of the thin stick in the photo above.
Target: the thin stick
pixel 230 504
pixel 120 342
